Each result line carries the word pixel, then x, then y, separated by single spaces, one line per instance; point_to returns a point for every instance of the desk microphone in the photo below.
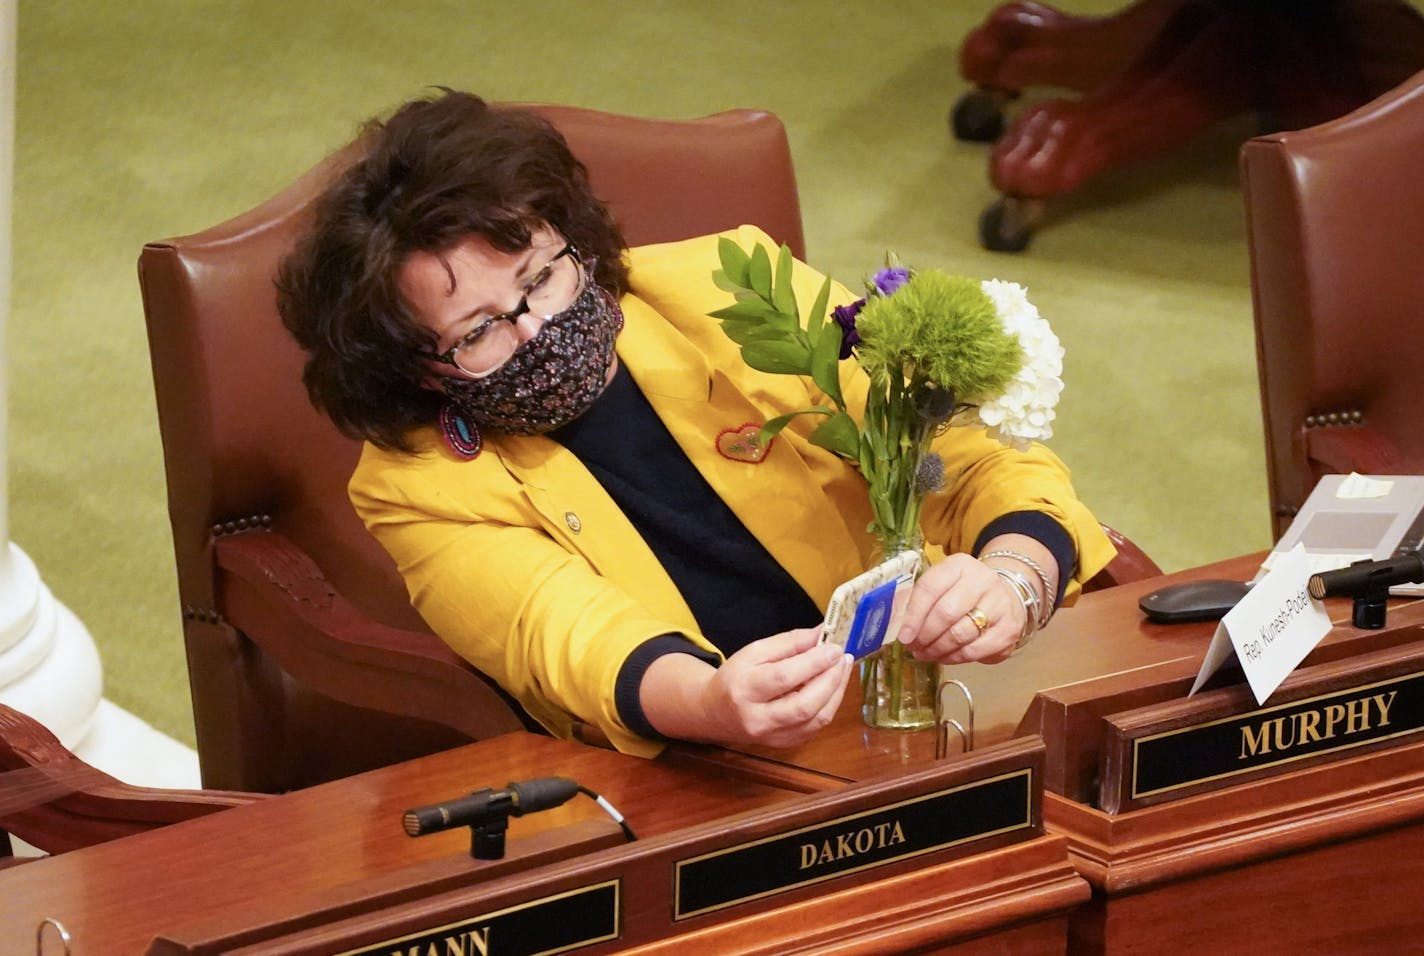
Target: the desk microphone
pixel 485 806
pixel 1363 576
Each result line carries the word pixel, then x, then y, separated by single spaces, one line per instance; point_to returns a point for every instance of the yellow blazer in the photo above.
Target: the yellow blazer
pixel 522 563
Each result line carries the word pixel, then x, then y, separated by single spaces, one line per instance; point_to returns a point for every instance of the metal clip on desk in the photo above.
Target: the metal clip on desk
pixel 943 723
pixel 40 935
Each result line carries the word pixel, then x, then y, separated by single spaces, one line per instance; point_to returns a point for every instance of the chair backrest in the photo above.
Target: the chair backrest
pixel 1335 224
pixel 245 451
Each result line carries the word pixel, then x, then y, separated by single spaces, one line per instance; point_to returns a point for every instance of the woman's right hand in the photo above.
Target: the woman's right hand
pixel 776 692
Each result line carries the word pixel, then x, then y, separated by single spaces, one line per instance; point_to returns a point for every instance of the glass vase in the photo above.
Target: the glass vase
pixel 898 691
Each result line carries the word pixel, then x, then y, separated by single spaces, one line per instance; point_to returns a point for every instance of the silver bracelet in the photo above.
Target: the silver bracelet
pixel 1020 586
pixel 1049 591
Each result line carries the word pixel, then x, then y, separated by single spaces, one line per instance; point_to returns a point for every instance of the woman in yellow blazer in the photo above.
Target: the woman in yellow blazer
pixel 524 486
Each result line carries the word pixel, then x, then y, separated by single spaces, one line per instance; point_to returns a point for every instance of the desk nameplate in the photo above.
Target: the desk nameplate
pixel 538 927
pixel 850 844
pixel 1221 738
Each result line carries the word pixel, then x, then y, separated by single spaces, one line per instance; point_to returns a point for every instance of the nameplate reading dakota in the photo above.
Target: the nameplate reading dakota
pixel 1286 733
pixel 853 843
pixel 552 924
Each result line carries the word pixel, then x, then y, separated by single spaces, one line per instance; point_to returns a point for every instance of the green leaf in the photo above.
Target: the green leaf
pixel 866 465
pixel 754 310
pixel 772 428
pixel 826 363
pixel 783 296
pixel 781 356
pixel 875 438
pixel 721 281
pixel 734 262
pixel 742 331
pixel 759 273
pixel 818 310
pixel 748 332
pixel 838 434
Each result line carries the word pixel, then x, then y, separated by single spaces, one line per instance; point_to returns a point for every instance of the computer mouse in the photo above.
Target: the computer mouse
pixel 1206 600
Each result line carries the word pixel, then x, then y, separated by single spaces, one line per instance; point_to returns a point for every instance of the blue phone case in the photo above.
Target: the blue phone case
pixel 872 619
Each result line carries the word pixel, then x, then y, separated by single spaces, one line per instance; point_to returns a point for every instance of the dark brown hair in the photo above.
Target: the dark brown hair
pixel 437 171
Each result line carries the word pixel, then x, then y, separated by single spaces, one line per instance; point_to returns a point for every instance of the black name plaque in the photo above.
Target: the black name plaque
pixel 853 843
pixel 1224 748
pixel 538 927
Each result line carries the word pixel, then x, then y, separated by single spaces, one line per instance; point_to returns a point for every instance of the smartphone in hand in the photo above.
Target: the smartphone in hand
pixel 868 608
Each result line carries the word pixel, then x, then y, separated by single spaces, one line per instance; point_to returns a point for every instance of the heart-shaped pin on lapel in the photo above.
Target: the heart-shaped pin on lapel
pixel 743 444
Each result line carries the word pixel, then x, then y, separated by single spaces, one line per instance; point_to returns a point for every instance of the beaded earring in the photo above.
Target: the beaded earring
pixel 460 433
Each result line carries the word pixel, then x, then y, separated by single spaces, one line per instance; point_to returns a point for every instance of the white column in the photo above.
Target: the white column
pixel 49 666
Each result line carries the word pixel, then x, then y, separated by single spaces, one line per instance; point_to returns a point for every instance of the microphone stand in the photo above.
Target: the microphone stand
pixel 1368 611
pixel 487 839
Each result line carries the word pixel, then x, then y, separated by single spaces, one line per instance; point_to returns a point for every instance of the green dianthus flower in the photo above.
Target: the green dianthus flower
pixel 939 328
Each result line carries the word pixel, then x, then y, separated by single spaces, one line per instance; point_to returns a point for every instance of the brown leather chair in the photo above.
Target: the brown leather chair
pixel 305 659
pixel 56 802
pixel 1154 76
pixel 1130 564
pixel 1335 225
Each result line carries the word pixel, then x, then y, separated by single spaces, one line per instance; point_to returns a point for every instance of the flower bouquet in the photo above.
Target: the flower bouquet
pixel 939 350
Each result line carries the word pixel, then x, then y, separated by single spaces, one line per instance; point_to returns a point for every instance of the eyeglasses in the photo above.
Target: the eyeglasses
pixel 489 345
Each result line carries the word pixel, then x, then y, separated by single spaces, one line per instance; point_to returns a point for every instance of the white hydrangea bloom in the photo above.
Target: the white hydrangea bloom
pixel 1024 412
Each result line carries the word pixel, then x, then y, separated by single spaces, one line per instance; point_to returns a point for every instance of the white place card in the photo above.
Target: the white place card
pixel 1271 629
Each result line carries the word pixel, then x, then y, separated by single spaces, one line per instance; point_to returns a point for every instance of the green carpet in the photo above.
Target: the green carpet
pixel 141 120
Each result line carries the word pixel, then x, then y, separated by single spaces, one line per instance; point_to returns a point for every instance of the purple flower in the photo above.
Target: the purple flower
pixel 889 279
pixel 845 318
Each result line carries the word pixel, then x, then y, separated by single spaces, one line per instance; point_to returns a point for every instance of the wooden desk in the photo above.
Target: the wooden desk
pixel 1338 847
pixel 1329 858
pixel 720 866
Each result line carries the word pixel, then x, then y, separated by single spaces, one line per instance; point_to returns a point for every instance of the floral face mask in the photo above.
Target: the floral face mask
pixel 551 379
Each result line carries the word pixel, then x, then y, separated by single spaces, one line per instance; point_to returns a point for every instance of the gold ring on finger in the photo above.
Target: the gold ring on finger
pixel 978 618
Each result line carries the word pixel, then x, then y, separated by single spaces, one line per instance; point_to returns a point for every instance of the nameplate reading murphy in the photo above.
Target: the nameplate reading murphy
pixel 1348 719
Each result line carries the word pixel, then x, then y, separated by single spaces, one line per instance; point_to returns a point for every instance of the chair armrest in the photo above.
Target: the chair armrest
pixel 1341 450
pixel 1130 564
pixel 54 801
pixel 275 595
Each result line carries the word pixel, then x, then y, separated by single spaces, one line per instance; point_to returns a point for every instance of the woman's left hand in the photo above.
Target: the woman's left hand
pixel 949 603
